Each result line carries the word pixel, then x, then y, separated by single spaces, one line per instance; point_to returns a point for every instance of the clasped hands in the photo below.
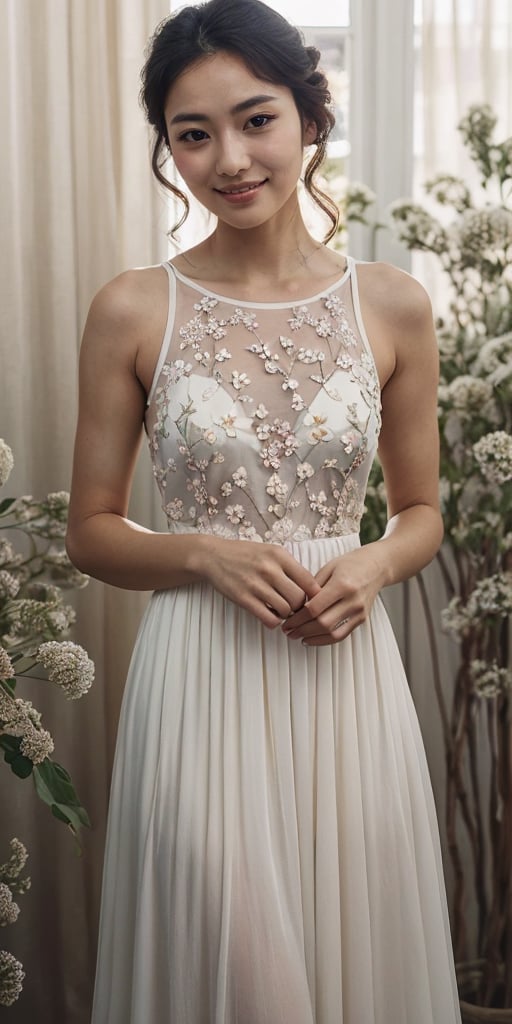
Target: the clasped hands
pixel 271 584
pixel 345 589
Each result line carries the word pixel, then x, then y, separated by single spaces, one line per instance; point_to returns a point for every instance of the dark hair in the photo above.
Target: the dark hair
pixel 272 49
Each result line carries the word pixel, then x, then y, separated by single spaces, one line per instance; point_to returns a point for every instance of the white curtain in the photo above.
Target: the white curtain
pixel 464 56
pixel 77 206
pixel 464 50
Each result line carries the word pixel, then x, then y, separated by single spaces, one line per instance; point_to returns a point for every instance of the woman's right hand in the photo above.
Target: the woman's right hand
pixel 265 579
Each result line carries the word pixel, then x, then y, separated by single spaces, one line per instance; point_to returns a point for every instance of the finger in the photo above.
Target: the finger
pixel 326 622
pixel 282 598
pixel 293 594
pixel 261 610
pixel 301 577
pixel 294 583
pixel 334 636
pixel 319 627
pixel 312 608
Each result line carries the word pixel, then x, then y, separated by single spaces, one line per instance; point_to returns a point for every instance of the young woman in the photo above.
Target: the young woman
pixel 272 853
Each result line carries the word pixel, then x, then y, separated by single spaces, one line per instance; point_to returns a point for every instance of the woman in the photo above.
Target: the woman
pixel 272 852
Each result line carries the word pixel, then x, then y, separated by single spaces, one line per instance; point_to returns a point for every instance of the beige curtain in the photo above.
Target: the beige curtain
pixel 77 206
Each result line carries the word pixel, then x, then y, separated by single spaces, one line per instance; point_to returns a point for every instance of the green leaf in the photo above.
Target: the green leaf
pixel 11 746
pixel 20 765
pixel 55 788
pixel 5 504
pixel 76 817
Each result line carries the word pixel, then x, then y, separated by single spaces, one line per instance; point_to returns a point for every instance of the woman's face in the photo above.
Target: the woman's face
pixel 236 140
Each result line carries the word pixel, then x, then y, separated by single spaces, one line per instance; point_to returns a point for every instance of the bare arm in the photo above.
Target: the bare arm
pixel 399 318
pixel 126 320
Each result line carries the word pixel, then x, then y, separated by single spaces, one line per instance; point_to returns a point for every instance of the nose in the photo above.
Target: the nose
pixel 232 155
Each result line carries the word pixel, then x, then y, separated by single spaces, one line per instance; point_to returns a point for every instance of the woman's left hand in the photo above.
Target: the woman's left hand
pixel 349 585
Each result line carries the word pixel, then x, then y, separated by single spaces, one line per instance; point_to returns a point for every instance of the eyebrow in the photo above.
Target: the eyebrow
pixel 253 101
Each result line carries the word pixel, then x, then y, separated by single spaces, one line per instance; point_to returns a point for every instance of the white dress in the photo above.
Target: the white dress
pixel 272 852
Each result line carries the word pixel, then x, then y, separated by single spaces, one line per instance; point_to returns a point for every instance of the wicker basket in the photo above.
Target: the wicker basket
pixel 469 976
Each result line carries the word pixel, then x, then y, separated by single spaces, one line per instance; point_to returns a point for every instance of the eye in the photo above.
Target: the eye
pixel 193 135
pixel 260 120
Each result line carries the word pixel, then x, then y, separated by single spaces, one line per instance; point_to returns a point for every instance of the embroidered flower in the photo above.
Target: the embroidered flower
pixel 263 431
pixel 271 454
pixel 240 477
pixel 318 431
pixel 298 403
pixel 239 380
pixel 323 329
pixel 235 513
pixel 349 441
pixel 174 509
pixel 277 488
pixel 227 423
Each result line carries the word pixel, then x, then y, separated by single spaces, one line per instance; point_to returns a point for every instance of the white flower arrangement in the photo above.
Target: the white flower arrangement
pixel 6 461
pixel 33 621
pixel 11 978
pixel 11 971
pixel 473 244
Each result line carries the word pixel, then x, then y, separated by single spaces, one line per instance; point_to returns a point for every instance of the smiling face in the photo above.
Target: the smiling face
pixel 237 140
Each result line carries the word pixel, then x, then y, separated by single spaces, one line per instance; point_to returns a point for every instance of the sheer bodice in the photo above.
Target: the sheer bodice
pixel 263 418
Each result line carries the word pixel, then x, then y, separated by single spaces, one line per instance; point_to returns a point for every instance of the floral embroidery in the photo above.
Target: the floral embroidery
pixel 264 435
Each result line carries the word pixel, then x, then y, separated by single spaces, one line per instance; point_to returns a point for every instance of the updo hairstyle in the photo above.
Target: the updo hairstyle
pixel 270 47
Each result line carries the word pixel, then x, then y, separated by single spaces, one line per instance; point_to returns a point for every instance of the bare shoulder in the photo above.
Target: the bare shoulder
pixel 128 301
pixel 126 323
pixel 397 298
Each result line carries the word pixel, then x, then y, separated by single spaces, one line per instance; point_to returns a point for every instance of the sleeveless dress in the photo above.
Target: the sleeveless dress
pixel 272 851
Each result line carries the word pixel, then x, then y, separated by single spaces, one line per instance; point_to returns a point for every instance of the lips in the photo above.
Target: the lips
pixel 236 190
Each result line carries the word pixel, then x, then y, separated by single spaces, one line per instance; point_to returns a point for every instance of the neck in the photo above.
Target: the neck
pixel 278 250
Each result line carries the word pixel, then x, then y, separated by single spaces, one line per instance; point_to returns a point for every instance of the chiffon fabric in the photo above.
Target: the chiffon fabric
pixel 272 852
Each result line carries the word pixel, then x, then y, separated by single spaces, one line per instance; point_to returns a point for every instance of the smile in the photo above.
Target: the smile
pixel 237 191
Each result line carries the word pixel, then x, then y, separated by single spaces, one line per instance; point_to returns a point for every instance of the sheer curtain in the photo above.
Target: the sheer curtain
pixel 77 206
pixel 462 57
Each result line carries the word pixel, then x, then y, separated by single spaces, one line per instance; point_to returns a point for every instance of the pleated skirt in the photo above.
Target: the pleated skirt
pixel 272 852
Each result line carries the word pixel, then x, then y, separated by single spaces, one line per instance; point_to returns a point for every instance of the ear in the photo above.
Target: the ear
pixel 310 133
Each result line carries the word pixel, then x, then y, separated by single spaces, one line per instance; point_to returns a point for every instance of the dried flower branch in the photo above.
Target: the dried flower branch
pixel 33 621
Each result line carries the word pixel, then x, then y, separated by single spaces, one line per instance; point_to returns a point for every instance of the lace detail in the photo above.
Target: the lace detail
pixel 263 424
